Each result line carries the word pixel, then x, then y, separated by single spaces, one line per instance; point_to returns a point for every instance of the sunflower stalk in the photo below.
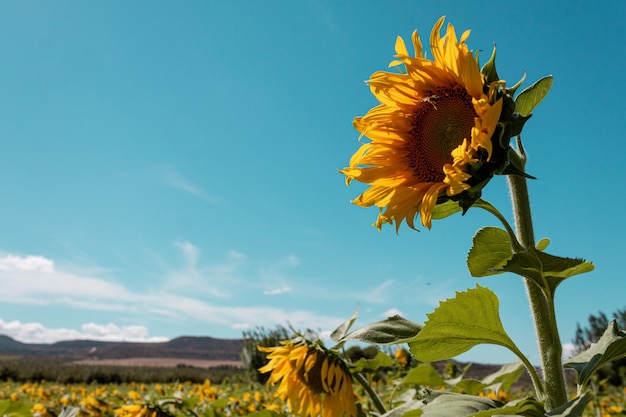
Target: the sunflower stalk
pixel 378 403
pixel 542 307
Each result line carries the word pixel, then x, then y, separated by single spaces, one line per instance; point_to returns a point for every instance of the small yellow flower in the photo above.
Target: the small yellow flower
pixel 39 410
pixel 402 357
pixel 312 380
pixel 431 133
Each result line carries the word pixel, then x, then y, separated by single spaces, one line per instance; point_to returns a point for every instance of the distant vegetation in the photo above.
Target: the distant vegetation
pixel 33 370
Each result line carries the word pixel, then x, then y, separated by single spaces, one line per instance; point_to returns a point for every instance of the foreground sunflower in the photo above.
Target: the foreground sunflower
pixel 431 134
pixel 312 380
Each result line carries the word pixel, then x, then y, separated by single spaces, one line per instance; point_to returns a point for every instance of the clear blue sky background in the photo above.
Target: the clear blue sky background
pixel 170 168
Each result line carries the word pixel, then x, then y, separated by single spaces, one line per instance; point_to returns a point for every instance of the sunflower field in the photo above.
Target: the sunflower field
pixel 244 396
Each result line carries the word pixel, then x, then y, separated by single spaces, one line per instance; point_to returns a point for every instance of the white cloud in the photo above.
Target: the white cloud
pixel 25 280
pixel 28 263
pixel 393 312
pixel 38 333
pixel 569 349
pixel 276 291
pixel 174 179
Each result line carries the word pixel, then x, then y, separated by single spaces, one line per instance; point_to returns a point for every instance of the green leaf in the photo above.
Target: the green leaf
pixel 611 346
pixel 381 360
pixel 503 378
pixel 490 252
pixel 574 408
pixel 443 210
pixel 546 269
pixel 470 386
pixel 528 407
pixel 342 330
pixel 409 409
pixel 423 374
pixel 10 408
pixel 448 404
pixel 460 323
pixel 530 98
pixel 264 413
pixel 542 244
pixel 389 331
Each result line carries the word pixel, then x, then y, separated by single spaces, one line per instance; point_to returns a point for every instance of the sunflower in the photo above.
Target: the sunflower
pixel 431 132
pixel 312 380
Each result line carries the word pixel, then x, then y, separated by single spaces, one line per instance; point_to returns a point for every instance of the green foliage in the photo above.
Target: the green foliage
pixel 460 323
pixel 615 372
pixel 381 360
pixel 32 370
pixel 10 408
pixel 611 346
pixel 491 253
pixel 392 330
pixel 530 97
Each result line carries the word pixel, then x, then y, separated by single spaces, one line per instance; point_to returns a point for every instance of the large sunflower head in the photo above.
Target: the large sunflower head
pixel 312 379
pixel 434 136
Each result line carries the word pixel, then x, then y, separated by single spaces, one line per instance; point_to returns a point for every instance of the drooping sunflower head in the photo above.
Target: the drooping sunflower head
pixel 312 379
pixel 434 135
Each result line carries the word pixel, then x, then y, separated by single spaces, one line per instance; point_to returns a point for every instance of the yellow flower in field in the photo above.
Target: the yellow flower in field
pixel 312 380
pixel 431 134
pixel 39 410
pixel 402 357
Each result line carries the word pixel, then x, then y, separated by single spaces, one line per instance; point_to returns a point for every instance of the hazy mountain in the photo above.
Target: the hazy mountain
pixel 183 347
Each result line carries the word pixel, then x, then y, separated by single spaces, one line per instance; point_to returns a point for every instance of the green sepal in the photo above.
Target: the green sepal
pixel 490 252
pixel 611 346
pixel 530 98
pixel 573 408
pixel 511 169
pixel 512 90
pixel 381 360
pixel 489 69
pixel 392 330
pixel 343 329
pixel 446 209
pixel 460 323
pixel 423 374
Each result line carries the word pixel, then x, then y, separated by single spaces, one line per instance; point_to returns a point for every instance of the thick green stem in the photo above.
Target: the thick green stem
pixel 542 306
pixel 378 403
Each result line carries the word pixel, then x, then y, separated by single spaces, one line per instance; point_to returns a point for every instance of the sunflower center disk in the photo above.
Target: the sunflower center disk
pixel 440 123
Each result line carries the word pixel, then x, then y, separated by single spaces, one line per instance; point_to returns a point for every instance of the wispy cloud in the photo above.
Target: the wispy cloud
pixel 174 179
pixel 211 279
pixel 30 280
pixel 376 295
pixel 276 291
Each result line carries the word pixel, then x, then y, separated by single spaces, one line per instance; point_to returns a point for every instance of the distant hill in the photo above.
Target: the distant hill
pixel 207 348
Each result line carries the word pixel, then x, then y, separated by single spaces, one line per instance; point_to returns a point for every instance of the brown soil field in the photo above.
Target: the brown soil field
pixel 161 362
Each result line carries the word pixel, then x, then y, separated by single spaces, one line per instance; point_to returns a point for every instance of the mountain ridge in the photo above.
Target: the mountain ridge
pixel 190 347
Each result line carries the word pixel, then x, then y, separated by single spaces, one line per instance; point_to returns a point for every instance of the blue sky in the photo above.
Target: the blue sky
pixel 170 168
